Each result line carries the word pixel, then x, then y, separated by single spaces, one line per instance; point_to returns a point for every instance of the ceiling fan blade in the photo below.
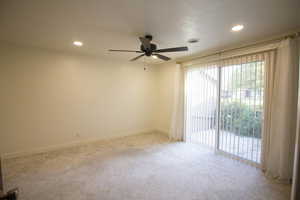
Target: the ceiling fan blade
pixel 133 59
pixel 125 50
pixel 171 49
pixel 145 42
pixel 165 58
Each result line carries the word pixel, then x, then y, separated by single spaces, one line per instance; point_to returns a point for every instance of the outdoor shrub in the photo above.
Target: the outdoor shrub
pixel 241 119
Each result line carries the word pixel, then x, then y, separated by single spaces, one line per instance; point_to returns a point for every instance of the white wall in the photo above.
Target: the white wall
pixel 51 98
pixel 166 80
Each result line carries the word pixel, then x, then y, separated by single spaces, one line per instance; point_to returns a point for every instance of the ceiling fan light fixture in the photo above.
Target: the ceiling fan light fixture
pixel 78 43
pixel 154 56
pixel 237 28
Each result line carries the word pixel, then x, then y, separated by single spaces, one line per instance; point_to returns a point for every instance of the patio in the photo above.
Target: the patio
pixel 248 148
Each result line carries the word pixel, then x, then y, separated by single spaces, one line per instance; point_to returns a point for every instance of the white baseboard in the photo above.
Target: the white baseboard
pixel 72 144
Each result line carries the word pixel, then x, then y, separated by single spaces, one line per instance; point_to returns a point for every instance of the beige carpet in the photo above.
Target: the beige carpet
pixel 137 168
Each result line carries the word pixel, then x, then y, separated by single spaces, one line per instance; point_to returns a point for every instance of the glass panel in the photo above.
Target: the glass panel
pixel 241 107
pixel 201 92
pixel 239 104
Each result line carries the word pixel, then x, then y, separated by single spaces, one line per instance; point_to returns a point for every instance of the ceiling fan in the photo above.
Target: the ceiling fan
pixel 149 49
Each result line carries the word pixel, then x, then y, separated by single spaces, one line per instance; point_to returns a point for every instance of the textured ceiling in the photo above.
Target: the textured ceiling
pixel 106 24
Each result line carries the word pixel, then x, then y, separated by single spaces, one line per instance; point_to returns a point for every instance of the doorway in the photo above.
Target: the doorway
pixel 224 107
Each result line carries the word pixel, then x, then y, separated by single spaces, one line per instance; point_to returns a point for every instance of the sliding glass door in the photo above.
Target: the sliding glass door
pixel 241 107
pixel 224 105
pixel 202 103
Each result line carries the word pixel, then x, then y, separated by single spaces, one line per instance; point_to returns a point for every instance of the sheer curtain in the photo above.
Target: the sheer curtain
pixel 280 111
pixel 178 116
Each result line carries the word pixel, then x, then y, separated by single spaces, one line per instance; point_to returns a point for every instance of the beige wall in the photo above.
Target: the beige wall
pixel 166 79
pixel 51 98
pixel 296 178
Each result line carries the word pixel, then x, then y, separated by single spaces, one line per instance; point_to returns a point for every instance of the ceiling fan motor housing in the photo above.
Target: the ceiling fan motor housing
pixel 148 52
pixel 149 37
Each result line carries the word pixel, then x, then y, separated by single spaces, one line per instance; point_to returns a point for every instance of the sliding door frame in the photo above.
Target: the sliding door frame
pixel 217 143
pixel 217 148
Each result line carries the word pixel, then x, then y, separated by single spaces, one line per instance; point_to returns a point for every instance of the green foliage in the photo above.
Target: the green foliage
pixel 241 119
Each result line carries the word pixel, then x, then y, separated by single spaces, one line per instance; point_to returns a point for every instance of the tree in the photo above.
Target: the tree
pixel 244 76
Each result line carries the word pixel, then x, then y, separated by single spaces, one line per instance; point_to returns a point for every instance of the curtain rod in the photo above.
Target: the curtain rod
pixel 291 35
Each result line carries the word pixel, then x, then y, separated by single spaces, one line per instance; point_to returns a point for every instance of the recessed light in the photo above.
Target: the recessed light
pixel 78 43
pixel 193 40
pixel 154 56
pixel 237 28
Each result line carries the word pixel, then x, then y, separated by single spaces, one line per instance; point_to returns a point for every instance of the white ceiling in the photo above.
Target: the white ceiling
pixel 116 24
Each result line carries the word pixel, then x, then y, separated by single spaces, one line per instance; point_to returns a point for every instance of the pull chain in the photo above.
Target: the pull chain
pixel 145 67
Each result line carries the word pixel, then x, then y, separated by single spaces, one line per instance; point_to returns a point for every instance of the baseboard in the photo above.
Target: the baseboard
pixel 163 131
pixel 73 144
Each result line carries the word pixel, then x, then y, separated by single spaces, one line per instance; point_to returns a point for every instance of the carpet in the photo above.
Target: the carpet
pixel 140 167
